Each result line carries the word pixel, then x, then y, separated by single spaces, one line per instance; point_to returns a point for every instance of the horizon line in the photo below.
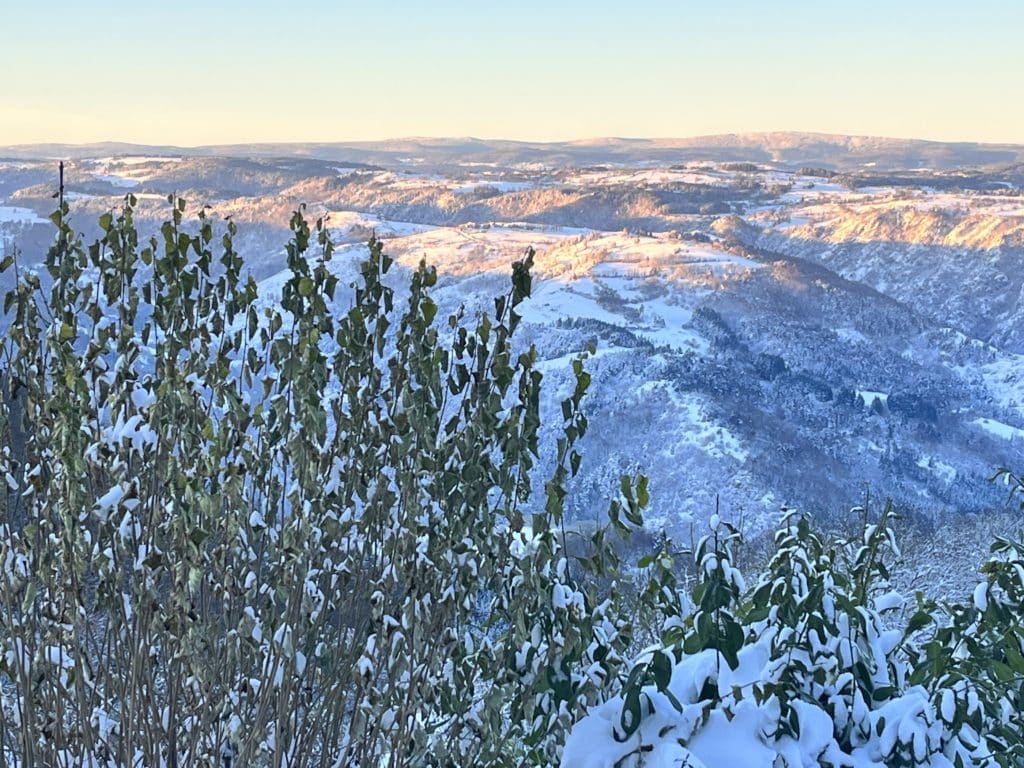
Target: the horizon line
pixel 541 142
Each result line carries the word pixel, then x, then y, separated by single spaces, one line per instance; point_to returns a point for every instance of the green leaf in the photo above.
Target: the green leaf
pixel 642 496
pixel 30 597
pixel 429 310
pixel 661 669
pixel 1013 655
pixel 918 621
pixel 1002 672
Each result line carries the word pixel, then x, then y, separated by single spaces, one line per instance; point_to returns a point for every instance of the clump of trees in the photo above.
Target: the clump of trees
pixel 256 532
pixel 247 530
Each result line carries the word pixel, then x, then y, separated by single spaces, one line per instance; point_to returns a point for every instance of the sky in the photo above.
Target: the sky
pixel 191 72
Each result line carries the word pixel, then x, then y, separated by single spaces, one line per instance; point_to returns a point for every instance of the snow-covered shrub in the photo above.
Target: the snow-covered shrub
pixel 812 666
pixel 249 532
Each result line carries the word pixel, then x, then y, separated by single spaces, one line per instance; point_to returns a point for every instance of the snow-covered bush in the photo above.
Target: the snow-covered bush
pixel 249 532
pixel 815 666
pixel 242 531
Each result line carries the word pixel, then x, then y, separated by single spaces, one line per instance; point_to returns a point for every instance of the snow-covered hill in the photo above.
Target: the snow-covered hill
pixel 763 334
pixel 724 374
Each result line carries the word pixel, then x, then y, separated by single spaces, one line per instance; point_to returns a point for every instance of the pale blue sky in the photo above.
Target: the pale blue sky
pixel 190 72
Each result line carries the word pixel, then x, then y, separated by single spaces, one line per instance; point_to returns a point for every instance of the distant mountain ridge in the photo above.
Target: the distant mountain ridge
pixel 789 148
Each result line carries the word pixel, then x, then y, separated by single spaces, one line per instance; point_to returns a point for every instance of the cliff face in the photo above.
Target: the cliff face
pixel 989 229
pixel 957 260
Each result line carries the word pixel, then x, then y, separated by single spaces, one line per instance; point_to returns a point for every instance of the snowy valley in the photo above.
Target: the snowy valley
pixel 766 332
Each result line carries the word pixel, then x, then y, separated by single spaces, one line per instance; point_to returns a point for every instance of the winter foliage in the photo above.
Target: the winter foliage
pixel 815 665
pixel 245 534
pixel 281 537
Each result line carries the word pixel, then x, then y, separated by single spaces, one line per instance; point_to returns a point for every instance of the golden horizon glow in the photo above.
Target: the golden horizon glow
pixel 190 74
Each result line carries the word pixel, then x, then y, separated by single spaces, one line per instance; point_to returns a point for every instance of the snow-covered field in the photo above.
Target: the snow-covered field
pixel 14 215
